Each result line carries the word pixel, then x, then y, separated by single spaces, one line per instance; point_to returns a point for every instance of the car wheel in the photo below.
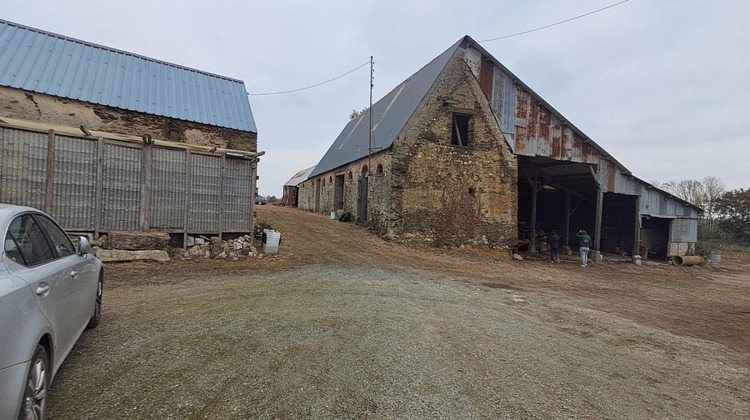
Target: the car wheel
pixel 94 321
pixel 37 382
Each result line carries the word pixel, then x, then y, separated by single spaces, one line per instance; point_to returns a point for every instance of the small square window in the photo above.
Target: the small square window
pixel 460 132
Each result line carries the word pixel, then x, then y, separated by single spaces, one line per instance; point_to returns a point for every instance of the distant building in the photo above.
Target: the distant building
pixel 109 140
pixel 291 188
pixel 464 152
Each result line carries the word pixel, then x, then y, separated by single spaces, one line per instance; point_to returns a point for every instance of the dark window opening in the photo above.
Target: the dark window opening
pixel 350 174
pixel 460 132
pixel 379 169
pixel 365 171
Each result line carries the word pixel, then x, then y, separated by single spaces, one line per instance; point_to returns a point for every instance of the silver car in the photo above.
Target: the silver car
pixel 50 291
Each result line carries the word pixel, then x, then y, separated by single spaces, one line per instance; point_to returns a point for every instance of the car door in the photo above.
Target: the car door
pixel 81 282
pixel 47 276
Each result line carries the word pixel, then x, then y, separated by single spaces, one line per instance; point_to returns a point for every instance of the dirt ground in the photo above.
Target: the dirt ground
pixel 343 324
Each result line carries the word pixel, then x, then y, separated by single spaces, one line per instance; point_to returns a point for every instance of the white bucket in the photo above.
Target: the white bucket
pixel 333 215
pixel 713 260
pixel 271 240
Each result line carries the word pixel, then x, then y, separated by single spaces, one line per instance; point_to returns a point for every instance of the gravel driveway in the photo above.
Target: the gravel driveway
pixel 343 325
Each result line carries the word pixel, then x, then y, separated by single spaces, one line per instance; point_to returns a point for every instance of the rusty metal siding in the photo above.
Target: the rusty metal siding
pixel 74 202
pixel 205 194
pixel 168 189
pixel 23 168
pixel 121 188
pixel 522 126
pixel 238 195
pixel 474 60
pixel 486 77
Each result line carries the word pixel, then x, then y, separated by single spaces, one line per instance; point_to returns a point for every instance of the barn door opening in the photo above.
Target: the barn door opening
pixel 338 192
pixel 317 196
pixel 362 191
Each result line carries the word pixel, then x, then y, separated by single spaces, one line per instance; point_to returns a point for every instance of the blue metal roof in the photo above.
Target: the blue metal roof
pixel 389 116
pixel 43 62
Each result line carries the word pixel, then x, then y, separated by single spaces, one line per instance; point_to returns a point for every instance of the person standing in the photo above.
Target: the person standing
pixel 584 245
pixel 554 247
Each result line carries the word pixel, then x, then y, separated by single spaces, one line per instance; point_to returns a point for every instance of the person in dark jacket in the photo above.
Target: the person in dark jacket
pixel 584 245
pixel 554 247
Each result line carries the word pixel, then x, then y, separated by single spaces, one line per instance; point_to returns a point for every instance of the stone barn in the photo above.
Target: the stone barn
pixel 104 139
pixel 291 188
pixel 463 152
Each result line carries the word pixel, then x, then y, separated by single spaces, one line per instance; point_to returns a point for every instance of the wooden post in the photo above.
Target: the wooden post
pixel 253 184
pixel 567 219
pixel 50 181
pixel 637 233
pixel 188 197
pixel 221 195
pixel 598 228
pixel 534 192
pixel 146 164
pixel 98 204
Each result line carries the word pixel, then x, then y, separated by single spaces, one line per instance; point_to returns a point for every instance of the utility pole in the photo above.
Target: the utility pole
pixel 369 112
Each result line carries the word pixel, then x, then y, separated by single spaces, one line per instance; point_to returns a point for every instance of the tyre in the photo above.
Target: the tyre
pixel 36 387
pixel 94 321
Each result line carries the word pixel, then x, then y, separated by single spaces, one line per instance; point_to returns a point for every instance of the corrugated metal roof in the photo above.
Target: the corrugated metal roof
pixel 43 62
pixel 299 177
pixel 389 115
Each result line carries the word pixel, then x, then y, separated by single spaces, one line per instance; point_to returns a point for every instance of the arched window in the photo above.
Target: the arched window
pixel 365 170
pixel 324 182
pixel 379 170
pixel 330 179
pixel 350 174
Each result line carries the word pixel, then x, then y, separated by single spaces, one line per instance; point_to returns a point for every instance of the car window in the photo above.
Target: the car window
pixel 60 240
pixel 32 245
pixel 11 249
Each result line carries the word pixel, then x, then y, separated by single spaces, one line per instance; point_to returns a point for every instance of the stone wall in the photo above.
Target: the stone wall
pixel 431 190
pixel 378 191
pixel 454 194
pixel 25 105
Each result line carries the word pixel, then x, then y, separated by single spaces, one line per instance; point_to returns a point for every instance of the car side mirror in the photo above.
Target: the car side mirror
pixel 84 247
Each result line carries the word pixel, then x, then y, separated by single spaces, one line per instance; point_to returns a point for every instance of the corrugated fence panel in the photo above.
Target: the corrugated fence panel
pixel 168 182
pixel 121 189
pixel 23 168
pixel 74 201
pixel 238 195
pixel 205 202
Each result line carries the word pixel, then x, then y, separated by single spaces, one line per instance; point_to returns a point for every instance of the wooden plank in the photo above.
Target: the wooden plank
pixel 50 181
pixel 76 132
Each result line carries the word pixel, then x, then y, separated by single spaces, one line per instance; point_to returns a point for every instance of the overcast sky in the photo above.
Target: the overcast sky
pixel 662 85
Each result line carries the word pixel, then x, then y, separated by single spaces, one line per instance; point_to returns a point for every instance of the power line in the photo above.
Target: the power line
pixel 556 23
pixel 311 86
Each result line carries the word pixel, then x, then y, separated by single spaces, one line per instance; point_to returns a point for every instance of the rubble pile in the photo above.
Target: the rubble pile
pixel 214 247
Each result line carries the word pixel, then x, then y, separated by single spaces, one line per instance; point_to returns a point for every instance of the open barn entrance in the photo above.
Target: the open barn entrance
pixel 565 196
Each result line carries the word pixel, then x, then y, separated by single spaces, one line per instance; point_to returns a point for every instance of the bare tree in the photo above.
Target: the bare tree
pixel 705 194
pixel 713 190
pixel 689 190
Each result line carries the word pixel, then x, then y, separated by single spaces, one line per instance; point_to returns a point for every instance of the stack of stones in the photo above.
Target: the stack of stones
pixel 214 247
